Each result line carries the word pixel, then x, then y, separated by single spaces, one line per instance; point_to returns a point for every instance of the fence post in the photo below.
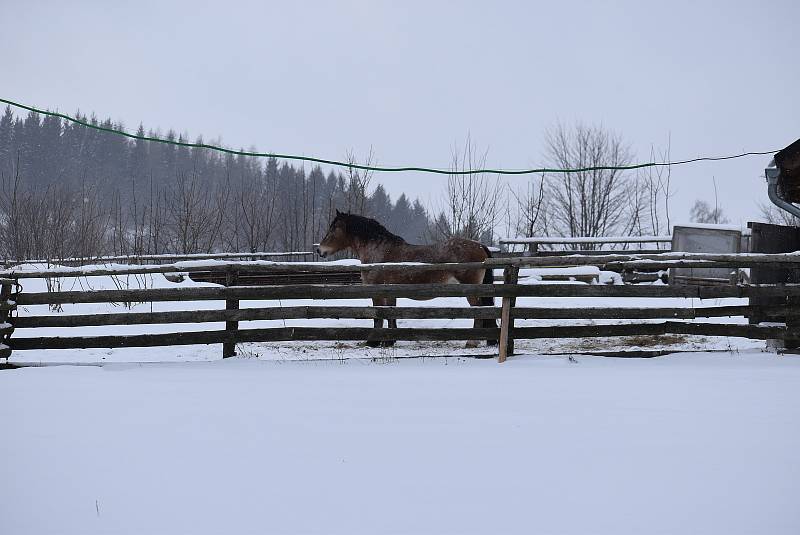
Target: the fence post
pixel 6 307
pixel 792 340
pixel 767 238
pixel 510 276
pixel 229 348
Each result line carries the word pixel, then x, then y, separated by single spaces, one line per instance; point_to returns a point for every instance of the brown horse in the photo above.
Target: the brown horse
pixel 373 243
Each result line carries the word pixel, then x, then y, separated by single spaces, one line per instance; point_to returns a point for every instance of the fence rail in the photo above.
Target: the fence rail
pixel 584 240
pixel 608 261
pixel 158 258
pixel 412 291
pixel 282 334
pixel 782 310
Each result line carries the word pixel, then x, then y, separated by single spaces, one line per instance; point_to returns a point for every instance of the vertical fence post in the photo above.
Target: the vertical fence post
pixel 510 276
pixel 229 348
pixel 767 238
pixel 6 306
pixel 792 339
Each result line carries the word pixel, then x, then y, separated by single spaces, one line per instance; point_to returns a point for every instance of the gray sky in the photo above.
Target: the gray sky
pixel 411 79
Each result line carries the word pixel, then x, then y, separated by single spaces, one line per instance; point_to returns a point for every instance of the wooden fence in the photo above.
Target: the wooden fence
pixel 778 304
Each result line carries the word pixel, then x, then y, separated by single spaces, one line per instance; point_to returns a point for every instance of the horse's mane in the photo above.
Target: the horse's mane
pixel 367 229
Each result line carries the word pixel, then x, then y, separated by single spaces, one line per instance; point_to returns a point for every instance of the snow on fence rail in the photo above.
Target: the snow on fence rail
pixel 608 262
pixel 583 240
pixel 783 306
pixel 158 258
pixel 533 244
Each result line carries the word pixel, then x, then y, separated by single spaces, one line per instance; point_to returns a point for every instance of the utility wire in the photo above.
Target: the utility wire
pixel 379 168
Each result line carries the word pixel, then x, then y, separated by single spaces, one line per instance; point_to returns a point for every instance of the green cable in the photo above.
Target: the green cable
pixel 378 168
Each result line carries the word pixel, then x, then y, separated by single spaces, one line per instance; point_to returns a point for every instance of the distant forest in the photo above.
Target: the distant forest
pixel 68 190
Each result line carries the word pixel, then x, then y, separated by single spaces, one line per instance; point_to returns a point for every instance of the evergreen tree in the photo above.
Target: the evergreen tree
pixel 6 141
pixel 380 207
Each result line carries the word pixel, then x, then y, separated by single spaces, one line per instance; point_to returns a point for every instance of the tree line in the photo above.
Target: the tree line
pixel 69 190
pixel 73 191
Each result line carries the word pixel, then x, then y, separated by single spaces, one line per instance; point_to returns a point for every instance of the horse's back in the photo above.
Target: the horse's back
pixel 453 250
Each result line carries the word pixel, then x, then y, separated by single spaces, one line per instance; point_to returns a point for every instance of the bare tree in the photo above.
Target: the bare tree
pixel 473 200
pixel 595 200
pixel 650 212
pixel 772 214
pixel 702 212
pixel 358 182
pixel 531 209
pixel 254 212
pixel 91 222
pixel 195 214
pixel 10 231
pixel 157 236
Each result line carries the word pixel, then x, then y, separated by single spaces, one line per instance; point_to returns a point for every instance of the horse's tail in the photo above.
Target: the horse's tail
pixel 488 278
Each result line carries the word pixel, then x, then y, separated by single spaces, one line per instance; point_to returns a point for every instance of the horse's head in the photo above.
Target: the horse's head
pixel 337 237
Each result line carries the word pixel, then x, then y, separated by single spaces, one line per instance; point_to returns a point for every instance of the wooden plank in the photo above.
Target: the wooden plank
pixel 134 259
pixel 246 278
pixel 358 333
pixel 252 314
pixel 222 267
pixel 582 252
pixel 609 261
pixel 371 313
pixel 584 240
pixel 401 290
pixel 757 332
pixel 251 335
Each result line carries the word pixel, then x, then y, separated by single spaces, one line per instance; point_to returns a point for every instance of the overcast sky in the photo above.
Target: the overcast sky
pixel 411 79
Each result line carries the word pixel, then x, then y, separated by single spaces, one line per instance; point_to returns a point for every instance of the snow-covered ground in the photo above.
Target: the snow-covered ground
pixel 696 443
pixel 339 438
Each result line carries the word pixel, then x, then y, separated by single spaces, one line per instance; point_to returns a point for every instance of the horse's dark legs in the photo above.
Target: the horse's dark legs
pixel 481 323
pixel 474 302
pixel 378 323
pixel 391 302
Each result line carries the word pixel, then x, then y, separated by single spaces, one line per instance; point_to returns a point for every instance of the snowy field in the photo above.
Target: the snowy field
pixel 695 443
pixel 340 438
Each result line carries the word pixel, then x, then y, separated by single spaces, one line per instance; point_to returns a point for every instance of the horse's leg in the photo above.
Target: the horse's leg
pixel 488 278
pixel 488 323
pixel 474 302
pixel 376 323
pixel 390 301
